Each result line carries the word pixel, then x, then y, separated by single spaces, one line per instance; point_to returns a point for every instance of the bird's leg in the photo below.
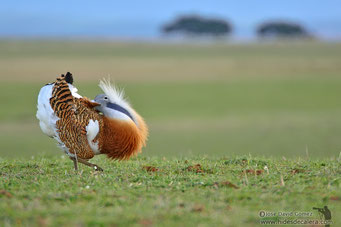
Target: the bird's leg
pixel 75 163
pixel 85 162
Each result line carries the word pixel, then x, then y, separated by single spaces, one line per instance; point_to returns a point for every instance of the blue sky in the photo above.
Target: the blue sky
pixel 142 19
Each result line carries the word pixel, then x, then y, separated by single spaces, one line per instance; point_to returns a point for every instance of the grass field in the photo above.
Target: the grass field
pixel 219 192
pixel 215 105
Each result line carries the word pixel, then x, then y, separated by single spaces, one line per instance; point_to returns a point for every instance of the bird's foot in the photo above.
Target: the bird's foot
pixel 85 162
pixel 97 168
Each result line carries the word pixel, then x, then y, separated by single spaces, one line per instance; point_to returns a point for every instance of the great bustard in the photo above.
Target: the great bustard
pixel 84 128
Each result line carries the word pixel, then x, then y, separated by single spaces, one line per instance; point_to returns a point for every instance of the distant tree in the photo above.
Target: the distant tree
pixel 198 26
pixel 282 29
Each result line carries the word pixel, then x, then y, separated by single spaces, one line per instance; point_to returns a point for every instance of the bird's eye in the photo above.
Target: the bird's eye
pixel 105 97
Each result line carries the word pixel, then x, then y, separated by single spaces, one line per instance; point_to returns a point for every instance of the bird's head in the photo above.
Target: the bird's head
pixel 113 105
pixel 102 99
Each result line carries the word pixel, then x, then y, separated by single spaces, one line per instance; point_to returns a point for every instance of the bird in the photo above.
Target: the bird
pixel 84 128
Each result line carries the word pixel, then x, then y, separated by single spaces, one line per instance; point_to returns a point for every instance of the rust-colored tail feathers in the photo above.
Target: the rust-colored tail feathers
pixel 122 139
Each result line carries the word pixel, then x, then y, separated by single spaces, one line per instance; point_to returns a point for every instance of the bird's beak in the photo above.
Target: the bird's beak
pixel 94 104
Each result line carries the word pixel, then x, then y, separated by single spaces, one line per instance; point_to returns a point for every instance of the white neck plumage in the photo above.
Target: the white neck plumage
pixel 117 112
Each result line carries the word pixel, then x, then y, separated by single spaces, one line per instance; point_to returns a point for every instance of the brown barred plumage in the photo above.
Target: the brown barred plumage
pixel 74 115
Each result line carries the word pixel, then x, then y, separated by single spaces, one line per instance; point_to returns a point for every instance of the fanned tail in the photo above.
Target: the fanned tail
pixel 62 101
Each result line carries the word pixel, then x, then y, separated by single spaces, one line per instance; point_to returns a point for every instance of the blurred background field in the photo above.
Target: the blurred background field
pixel 216 99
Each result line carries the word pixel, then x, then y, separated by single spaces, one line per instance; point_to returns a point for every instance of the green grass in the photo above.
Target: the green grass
pixel 46 191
